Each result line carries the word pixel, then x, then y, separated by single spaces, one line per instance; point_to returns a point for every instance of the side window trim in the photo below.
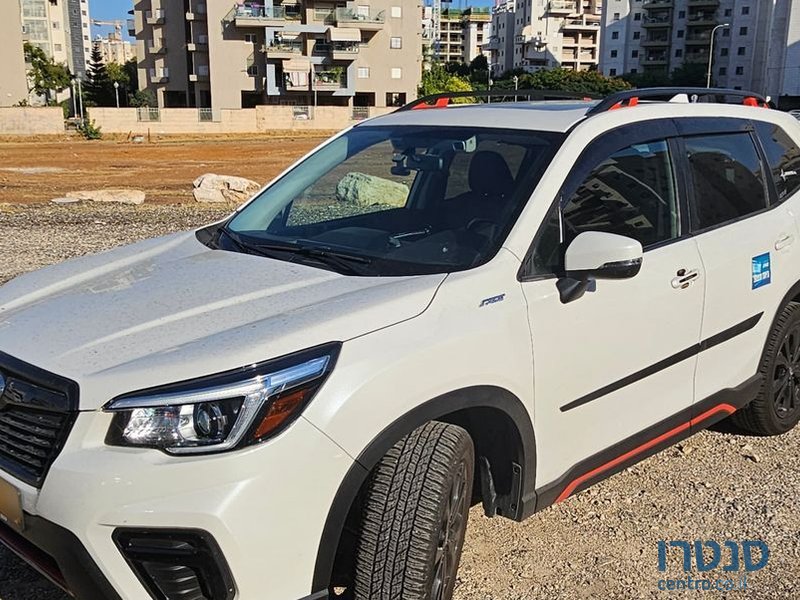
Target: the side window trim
pixel 772 190
pixel 774 198
pixel 694 230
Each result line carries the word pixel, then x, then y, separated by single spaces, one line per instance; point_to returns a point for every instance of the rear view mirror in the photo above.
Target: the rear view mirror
pixel 598 255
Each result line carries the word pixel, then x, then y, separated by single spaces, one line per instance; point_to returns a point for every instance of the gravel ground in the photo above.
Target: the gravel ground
pixel 600 544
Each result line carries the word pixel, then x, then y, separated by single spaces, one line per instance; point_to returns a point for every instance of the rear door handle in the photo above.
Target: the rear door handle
pixel 784 242
pixel 684 279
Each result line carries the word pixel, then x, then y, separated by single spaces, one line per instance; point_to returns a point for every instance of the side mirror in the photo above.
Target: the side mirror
pixel 598 255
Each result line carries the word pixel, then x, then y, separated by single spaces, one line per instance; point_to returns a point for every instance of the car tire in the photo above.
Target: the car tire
pixel 776 409
pixel 414 516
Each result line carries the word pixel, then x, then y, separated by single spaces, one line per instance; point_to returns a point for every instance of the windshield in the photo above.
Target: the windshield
pixel 387 201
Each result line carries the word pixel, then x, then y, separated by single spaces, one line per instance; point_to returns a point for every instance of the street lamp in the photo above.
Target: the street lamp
pixel 516 82
pixel 711 52
pixel 80 96
pixel 116 91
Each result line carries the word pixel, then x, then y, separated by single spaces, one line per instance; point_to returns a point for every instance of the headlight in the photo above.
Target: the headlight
pixel 224 411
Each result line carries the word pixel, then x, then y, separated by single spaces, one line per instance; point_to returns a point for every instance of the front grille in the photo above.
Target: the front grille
pixel 37 410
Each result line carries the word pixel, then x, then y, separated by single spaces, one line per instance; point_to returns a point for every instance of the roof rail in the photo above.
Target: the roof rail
pixel 442 100
pixel 630 98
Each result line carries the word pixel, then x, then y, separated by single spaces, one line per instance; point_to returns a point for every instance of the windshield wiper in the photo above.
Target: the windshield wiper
pixel 341 262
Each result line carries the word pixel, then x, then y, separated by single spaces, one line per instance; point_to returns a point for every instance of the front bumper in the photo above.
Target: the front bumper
pixel 264 506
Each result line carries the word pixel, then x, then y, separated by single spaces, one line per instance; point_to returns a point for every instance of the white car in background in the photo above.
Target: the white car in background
pixel 501 303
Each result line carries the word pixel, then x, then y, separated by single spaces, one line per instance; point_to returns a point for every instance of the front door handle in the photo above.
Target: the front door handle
pixel 684 278
pixel 784 242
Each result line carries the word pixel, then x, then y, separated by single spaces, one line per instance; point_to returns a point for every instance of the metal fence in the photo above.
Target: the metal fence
pixel 146 114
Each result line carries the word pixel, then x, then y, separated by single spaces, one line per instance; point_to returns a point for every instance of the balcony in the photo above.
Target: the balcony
pixel 199 45
pixel 201 74
pixel 254 15
pixel 131 27
pixel 699 39
pixel 656 59
pixel 325 15
pixel 155 17
pixel 580 24
pixel 360 18
pixel 330 80
pixel 656 4
pixel 696 57
pixel 562 7
pixel 157 46
pixel 159 75
pixel 345 50
pixel 657 21
pixel 656 42
pixel 493 43
pixel 699 3
pixel 702 20
pixel 197 12
pixel 283 49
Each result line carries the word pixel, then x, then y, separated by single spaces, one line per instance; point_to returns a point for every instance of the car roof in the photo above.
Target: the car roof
pixel 554 115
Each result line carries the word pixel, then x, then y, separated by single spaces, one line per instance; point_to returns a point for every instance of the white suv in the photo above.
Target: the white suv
pixel 501 304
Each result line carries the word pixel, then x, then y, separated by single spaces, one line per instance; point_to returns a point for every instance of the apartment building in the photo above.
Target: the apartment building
pixel 61 29
pixel 546 35
pixel 13 81
pixel 756 42
pixel 114 49
pixel 216 54
pixel 463 33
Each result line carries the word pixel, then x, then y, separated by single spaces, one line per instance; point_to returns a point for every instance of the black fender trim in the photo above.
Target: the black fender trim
pixel 472 397
pixel 652 440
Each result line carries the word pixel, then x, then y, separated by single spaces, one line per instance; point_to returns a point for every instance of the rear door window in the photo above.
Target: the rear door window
pixel 727 177
pixel 783 157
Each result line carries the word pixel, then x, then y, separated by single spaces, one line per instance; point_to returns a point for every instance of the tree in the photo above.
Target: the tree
pixel 99 88
pixel 566 80
pixel 46 76
pixel 142 98
pixel 689 75
pixel 438 80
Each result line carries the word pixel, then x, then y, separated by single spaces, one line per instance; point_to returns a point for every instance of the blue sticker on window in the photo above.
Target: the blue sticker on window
pixel 762 273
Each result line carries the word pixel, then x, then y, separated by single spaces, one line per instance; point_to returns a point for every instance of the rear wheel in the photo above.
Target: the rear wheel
pixel 776 409
pixel 415 517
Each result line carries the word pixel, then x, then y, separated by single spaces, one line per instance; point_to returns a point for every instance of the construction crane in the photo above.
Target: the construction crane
pixel 117 25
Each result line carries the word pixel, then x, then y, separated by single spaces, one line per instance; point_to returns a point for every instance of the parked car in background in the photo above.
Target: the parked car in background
pixel 497 304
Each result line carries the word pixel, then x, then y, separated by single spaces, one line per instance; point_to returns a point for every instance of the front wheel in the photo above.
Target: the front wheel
pixel 415 515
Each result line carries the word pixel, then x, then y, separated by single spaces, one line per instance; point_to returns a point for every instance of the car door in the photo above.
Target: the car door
pixel 615 365
pixel 748 246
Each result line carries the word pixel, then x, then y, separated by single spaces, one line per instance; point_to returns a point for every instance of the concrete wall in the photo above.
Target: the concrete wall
pixel 31 121
pixel 186 121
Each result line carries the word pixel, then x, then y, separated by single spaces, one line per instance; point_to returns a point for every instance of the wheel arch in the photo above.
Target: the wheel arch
pixel 489 413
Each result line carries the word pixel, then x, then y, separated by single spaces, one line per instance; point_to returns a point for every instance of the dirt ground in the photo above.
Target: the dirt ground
pixel 164 169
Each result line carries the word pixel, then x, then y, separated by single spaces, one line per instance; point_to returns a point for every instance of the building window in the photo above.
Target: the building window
pixel 634 71
pixel 396 43
pixel 616 16
pixel 745 10
pixel 397 12
pixel 56 25
pixel 727 12
pixel 678 53
pixel 397 73
pixel 250 38
pixel 637 16
pixel 681 14
pixel 741 51
pixel 613 54
pixel 615 35
pixel 723 52
pixel 637 35
pixel 363 72
pixel 740 70
pixel 742 30
pixel 680 34
pixel 634 54
pixel 726 32
pixel 612 72
pixel 723 70
pixel 57 47
pixel 252 70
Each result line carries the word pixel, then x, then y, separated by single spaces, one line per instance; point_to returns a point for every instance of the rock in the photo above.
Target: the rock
pixel 366 190
pixel 222 188
pixel 64 200
pixel 119 196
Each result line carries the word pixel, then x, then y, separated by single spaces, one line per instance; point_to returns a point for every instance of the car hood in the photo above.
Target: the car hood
pixel 171 309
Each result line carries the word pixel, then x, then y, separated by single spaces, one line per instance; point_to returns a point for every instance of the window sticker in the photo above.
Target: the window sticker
pixel 762 273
